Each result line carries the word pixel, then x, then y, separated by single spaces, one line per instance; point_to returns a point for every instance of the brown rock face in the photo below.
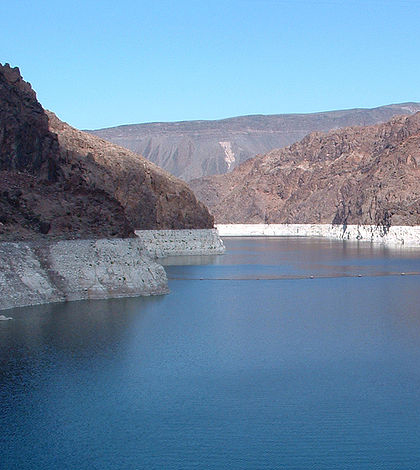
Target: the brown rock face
pixel 58 182
pixel 192 149
pixel 357 175
pixel 26 144
pixel 151 197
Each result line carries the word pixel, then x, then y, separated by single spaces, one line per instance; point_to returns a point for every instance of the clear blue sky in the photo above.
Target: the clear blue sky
pixel 104 63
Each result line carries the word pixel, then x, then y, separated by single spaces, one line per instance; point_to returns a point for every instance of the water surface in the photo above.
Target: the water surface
pixel 249 363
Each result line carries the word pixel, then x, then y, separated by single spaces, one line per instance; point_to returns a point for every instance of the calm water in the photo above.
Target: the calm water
pixel 247 364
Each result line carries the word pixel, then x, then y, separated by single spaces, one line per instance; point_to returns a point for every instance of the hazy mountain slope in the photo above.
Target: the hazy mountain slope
pixel 357 175
pixel 191 149
pixel 76 185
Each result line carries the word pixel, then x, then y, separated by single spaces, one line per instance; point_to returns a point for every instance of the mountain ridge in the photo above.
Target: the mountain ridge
pixel 357 175
pixel 191 149
pixel 410 105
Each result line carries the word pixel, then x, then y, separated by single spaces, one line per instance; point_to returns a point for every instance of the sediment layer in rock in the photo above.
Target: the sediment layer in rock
pixel 36 273
pixel 42 272
pixel 161 243
pixel 408 236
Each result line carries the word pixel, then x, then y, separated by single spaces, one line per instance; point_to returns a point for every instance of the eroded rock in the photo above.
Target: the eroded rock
pixel 60 183
pixel 357 175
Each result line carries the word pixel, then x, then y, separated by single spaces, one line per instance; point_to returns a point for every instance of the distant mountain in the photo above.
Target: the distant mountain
pixel 356 175
pixel 191 149
pixel 58 182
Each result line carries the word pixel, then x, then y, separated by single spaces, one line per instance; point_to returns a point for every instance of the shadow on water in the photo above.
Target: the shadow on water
pixel 62 333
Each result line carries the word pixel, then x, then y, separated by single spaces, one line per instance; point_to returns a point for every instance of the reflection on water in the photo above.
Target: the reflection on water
pixel 287 373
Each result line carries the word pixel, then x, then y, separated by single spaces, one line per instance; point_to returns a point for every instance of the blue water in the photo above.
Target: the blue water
pixel 249 363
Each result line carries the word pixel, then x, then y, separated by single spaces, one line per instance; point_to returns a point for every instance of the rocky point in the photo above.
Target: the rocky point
pixel 58 182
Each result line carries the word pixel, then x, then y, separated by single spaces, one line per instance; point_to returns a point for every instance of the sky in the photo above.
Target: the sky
pixel 105 63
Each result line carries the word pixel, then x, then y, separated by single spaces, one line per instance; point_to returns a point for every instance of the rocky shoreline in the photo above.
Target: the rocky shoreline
pixel 403 235
pixel 161 243
pixel 33 273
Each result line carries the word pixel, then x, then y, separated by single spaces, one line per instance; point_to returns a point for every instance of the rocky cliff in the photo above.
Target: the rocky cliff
pixel 357 175
pixel 151 197
pixel 34 273
pixel 58 182
pixel 192 149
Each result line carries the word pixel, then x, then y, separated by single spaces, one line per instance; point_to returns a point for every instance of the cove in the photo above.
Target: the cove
pixel 282 353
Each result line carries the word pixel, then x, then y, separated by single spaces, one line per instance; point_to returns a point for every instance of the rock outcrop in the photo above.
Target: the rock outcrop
pixel 358 175
pixel 26 143
pixel 151 197
pixel 58 182
pixel 192 149
pixel 33 273
pixel 162 243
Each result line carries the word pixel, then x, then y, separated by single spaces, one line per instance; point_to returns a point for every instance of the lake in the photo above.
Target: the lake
pixel 281 354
